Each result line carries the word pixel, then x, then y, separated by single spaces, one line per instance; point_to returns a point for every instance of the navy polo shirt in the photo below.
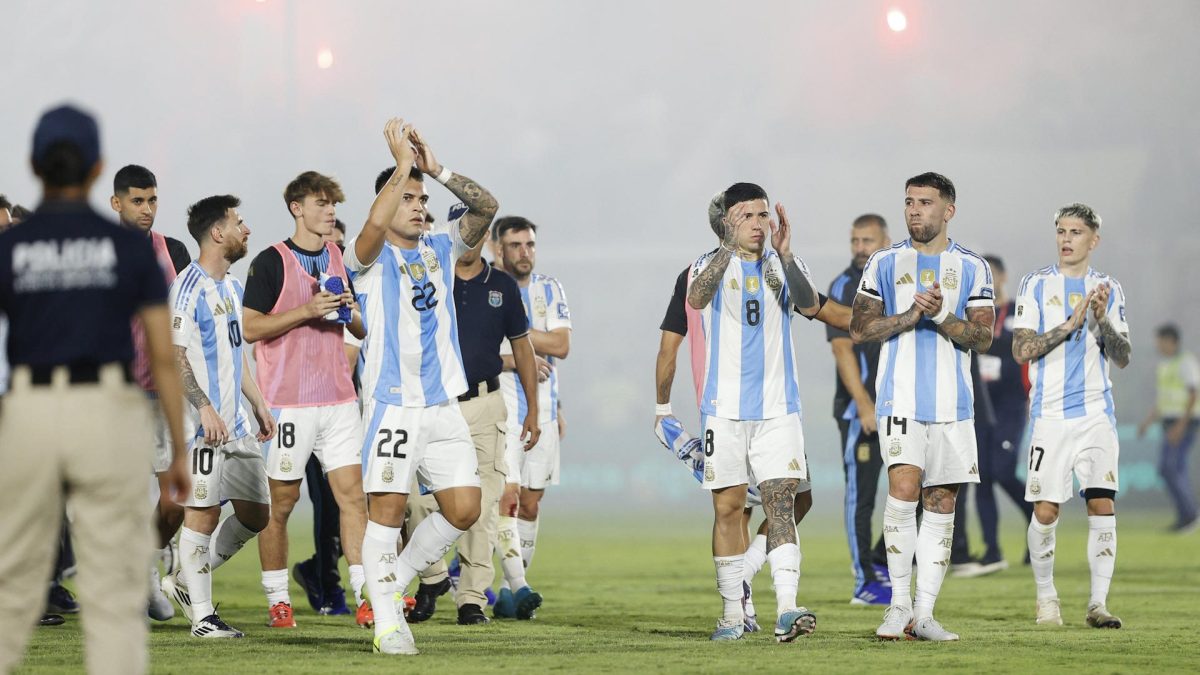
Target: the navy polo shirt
pixel 70 282
pixel 489 309
pixel 843 289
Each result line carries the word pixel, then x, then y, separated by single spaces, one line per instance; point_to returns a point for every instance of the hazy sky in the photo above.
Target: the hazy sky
pixel 610 124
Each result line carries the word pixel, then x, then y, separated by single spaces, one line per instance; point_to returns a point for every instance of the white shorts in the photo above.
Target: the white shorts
pixel 1086 447
pixel 162 436
pixel 734 450
pixel 331 432
pixel 944 451
pixel 232 471
pixel 538 468
pixel 432 443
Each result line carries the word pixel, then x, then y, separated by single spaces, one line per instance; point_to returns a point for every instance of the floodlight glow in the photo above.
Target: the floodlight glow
pixel 324 58
pixel 896 20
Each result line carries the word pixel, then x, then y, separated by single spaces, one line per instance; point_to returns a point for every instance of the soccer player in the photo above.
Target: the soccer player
pixel 1178 385
pixel 413 375
pixel 225 458
pixel 135 201
pixel 682 321
pixel 1074 427
pixel 550 331
pixel 751 401
pixel 303 374
pixel 929 300
pixel 854 410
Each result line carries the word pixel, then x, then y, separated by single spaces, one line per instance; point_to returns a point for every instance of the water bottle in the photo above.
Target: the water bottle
pixel 333 284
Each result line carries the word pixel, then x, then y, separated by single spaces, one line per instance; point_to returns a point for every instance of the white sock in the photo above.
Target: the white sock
pixel 730 573
pixel 933 559
pixel 275 585
pixel 357 579
pixel 528 530
pixel 1102 555
pixel 428 543
pixel 508 547
pixel 379 566
pixel 785 573
pixel 196 570
pixel 756 557
pixel 229 538
pixel 1040 539
pixel 900 536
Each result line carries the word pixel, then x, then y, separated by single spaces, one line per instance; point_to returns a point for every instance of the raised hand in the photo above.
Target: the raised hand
pixel 426 162
pixel 781 232
pixel 398 135
pixel 1099 301
pixel 734 220
pixel 1080 311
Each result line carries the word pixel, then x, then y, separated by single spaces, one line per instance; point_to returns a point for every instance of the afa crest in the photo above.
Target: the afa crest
pixel 773 281
pixel 201 490
pixel 431 261
pixel 389 474
pixel 285 463
pixel 950 280
pixel 710 474
pixel 895 448
pixel 539 306
pixel 1035 487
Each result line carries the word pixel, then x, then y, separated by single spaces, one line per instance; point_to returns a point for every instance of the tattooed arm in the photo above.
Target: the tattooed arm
pixel 1117 346
pixel 481 205
pixel 705 286
pixel 974 333
pixel 868 324
pixel 215 432
pixel 804 296
pixel 369 244
pixel 1029 345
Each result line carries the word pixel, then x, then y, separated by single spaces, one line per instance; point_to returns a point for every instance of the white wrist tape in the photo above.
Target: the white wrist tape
pixel 445 175
pixel 662 409
pixel 942 315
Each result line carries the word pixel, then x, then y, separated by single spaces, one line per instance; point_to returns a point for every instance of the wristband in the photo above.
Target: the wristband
pixel 941 316
pixel 445 175
pixel 662 409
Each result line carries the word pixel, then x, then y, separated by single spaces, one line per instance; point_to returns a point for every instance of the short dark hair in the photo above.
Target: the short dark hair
pixel 208 212
pixel 20 212
pixel 742 192
pixel 429 217
pixel 4 203
pixel 312 183
pixel 1168 330
pixel 870 219
pixel 414 174
pixel 339 225
pixel 937 181
pixel 62 165
pixel 511 224
pixel 133 176
pixel 994 262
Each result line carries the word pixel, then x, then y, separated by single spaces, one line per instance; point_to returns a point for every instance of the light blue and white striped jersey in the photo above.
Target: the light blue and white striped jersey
pixel 924 375
pixel 412 357
pixel 546 308
pixel 749 363
pixel 1072 379
pixel 206 320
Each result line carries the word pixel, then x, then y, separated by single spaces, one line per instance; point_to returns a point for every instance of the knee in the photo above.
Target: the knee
pixel 282 504
pixel 1045 512
pixel 257 517
pixel 463 517
pixel 1100 502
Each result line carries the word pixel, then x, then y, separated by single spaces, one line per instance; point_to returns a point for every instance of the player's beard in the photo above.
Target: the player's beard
pixel 236 253
pixel 923 233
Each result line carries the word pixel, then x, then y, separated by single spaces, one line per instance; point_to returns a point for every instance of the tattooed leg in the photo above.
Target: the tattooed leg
pixel 783 551
pixel 933 545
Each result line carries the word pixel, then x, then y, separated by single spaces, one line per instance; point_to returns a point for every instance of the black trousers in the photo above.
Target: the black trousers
pixel 326 528
pixel 862 464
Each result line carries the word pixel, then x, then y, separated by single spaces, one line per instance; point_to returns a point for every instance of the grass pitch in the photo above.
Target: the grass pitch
pixel 632 596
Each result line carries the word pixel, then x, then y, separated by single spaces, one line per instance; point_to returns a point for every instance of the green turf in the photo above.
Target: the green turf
pixel 625 597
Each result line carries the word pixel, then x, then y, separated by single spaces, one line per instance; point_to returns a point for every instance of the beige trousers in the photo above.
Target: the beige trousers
pixel 486 417
pixel 86 446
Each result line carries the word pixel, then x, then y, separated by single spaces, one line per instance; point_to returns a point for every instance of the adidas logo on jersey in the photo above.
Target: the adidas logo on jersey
pixel 974 470
pixel 906 279
pixel 1110 477
pixel 1055 302
pixel 793 465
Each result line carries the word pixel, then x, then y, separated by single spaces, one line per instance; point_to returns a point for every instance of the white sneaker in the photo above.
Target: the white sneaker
pixel 1049 612
pixel 212 626
pixel 398 640
pixel 1098 617
pixel 159 608
pixel 173 586
pixel 929 629
pixel 896 622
